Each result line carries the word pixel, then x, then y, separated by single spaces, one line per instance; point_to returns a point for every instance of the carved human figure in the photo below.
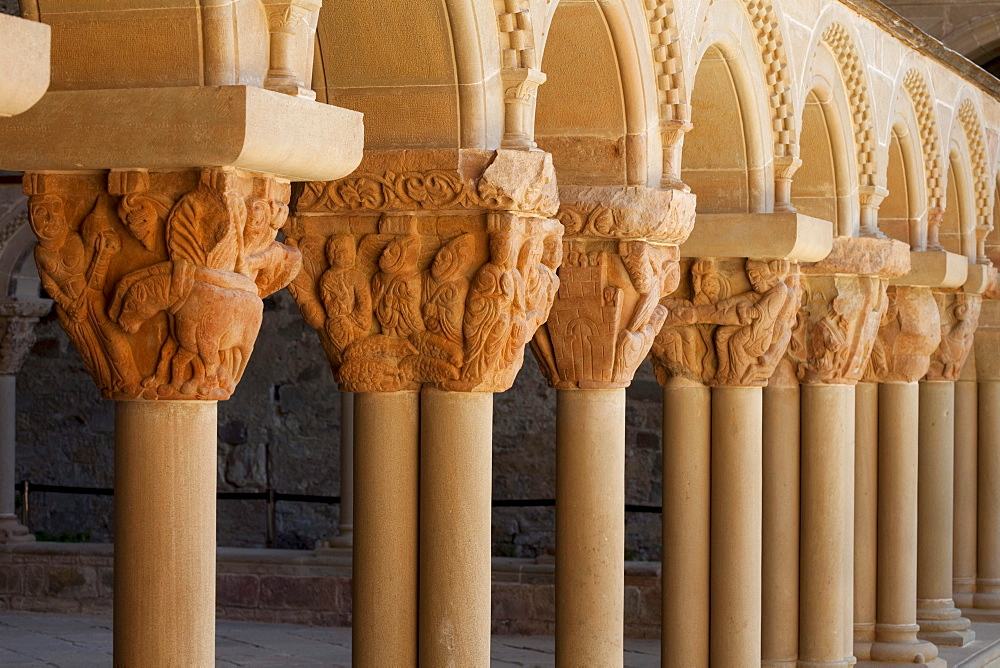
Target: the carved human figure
pixel 444 293
pixel 496 292
pixel 653 274
pixel 544 287
pixel 397 287
pixel 73 269
pixel 828 338
pixel 956 337
pixel 685 343
pixel 345 293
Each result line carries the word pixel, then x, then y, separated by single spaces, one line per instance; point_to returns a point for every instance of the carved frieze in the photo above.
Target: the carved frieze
pixel 959 313
pixel 908 335
pixel 730 321
pixel 17 331
pixel 620 258
pixel 158 276
pixel 417 271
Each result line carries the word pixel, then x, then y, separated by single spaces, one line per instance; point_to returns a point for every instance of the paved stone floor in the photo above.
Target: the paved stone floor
pixel 42 639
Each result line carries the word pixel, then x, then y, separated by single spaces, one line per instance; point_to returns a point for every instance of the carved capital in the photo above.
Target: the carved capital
pixel 620 258
pixel 17 331
pixel 908 335
pixel 292 24
pixel 959 313
pixel 419 271
pixel 836 327
pixel 158 276
pixel 730 322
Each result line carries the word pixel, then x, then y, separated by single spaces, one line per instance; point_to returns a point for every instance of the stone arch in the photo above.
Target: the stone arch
pixel 598 110
pixel 426 77
pixel 18 274
pixel 969 119
pixel 725 154
pixel 922 101
pixel 838 40
pixel 672 97
pixel 958 224
pixel 903 213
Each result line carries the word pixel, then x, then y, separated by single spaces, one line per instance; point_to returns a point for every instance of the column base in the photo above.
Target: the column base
pixel 898 643
pixel 864 636
pixel 779 663
pixel 942 623
pixel 936 663
pixel 988 596
pixel 843 663
pixel 963 599
pixel 977 614
pixel 343 539
pixel 13 532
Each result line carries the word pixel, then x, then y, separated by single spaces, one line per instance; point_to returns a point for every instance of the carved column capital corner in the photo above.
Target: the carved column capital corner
pixel 17 331
pixel 909 333
pixel 158 277
pixel 429 268
pixel 729 323
pixel 959 314
pixel 620 258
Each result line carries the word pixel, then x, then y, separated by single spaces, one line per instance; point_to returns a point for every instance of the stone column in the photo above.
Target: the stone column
pixel 424 275
pixel 728 326
pixel 865 517
pixel 780 551
pixel 939 618
pixel 966 484
pixel 986 600
pixel 909 335
pixel 17 335
pixel 842 304
pixel 620 259
pixel 345 525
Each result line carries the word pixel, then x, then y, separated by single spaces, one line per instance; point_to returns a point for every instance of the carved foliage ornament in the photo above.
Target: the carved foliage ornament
pixel 730 322
pixel 959 313
pixel 158 277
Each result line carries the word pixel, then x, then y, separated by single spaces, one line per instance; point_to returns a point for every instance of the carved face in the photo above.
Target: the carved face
pixel 453 256
pixel 340 252
pixel 762 276
pixel 48 220
pixel 552 256
pixel 503 249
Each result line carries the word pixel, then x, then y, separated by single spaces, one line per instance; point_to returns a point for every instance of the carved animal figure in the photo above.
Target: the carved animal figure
pixel 212 314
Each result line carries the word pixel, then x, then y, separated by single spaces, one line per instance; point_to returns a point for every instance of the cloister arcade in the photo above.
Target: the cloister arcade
pixel 788 206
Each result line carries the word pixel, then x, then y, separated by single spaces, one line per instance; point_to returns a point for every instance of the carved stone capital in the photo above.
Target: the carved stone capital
pixel 17 331
pixel 158 276
pixel 429 267
pixel 908 335
pixel 292 24
pixel 730 321
pixel 959 313
pixel 836 327
pixel 620 258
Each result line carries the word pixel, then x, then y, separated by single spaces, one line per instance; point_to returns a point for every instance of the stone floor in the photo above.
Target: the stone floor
pixel 42 639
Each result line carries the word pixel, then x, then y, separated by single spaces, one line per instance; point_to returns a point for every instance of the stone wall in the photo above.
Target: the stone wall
pixel 10 7
pixel 281 431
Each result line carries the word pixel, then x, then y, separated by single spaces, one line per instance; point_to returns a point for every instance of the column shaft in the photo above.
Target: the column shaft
pixel 780 551
pixel 8 445
pixel 737 490
pixel 865 516
pixel 687 482
pixel 387 472
pixel 165 479
pixel 940 621
pixel 896 613
pixel 987 594
pixel 345 531
pixel 590 527
pixel 966 487
pixel 455 527
pixel 827 487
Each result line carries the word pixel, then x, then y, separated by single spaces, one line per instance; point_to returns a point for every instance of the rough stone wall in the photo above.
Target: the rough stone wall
pixel 10 7
pixel 281 430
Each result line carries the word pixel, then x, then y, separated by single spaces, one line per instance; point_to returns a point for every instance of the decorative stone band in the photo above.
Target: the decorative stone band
pixel 158 276
pixel 17 331
pixel 429 267
pixel 843 300
pixel 730 321
pixel 959 314
pixel 620 259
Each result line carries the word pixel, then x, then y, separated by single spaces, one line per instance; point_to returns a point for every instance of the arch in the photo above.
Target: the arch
pixel 958 226
pixel 426 77
pixel 673 105
pixel 825 185
pixel 993 236
pixel 903 212
pixel 724 153
pixel 916 89
pixel 597 112
pixel 837 39
pixel 968 117
pixel 18 274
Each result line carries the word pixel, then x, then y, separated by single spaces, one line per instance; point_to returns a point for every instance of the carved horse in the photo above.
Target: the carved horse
pixel 212 314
